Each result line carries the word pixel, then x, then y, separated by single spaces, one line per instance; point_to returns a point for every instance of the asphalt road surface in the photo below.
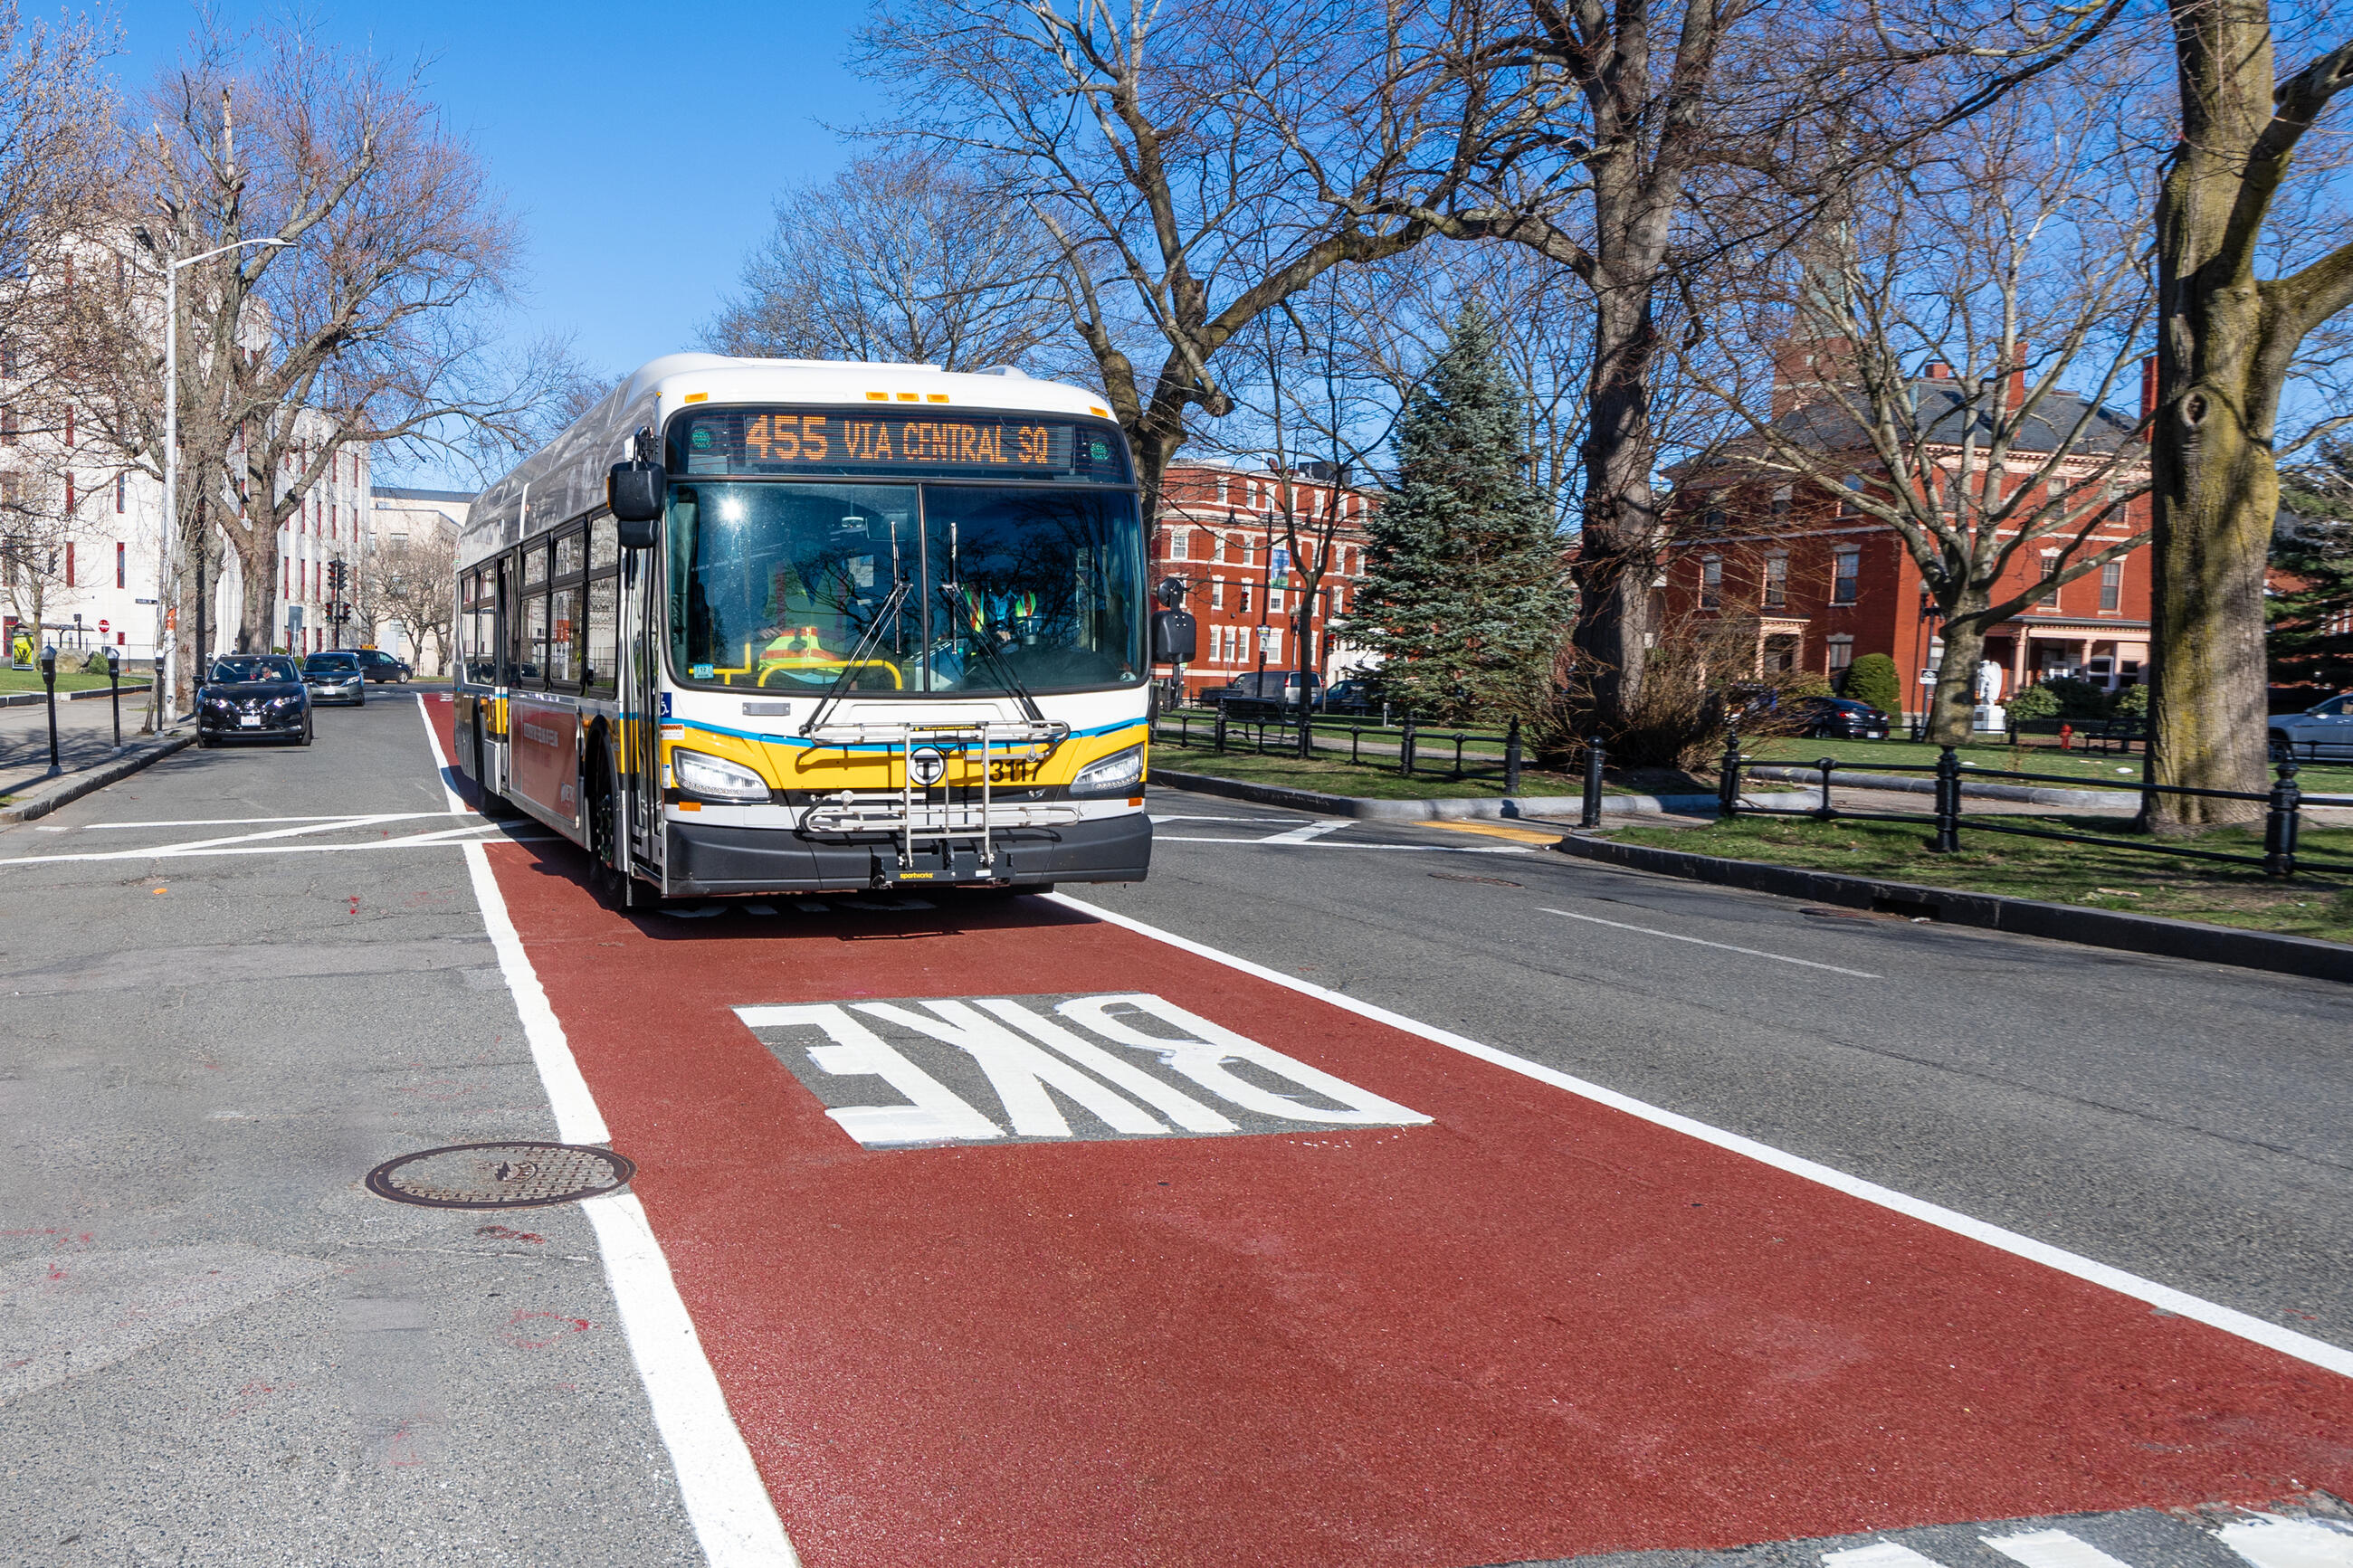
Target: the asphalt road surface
pixel 1346 1193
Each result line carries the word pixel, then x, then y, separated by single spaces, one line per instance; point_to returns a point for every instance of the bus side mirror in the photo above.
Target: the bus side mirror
pixel 637 492
pixel 1175 639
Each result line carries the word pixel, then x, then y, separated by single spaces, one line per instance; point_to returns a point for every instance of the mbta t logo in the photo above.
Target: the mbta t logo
pixel 1036 1068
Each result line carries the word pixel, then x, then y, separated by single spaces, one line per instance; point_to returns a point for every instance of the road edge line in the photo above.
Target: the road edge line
pixel 727 1502
pixel 2229 1320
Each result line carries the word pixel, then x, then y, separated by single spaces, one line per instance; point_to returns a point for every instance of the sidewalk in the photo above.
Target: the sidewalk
pixel 86 752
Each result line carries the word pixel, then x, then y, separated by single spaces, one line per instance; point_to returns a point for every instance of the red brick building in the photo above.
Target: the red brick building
pixel 1218 529
pixel 1825 583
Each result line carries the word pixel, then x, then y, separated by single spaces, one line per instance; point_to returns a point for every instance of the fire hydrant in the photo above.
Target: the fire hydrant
pixel 2067 737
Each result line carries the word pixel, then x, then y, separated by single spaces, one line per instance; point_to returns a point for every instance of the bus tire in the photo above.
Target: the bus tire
pixel 615 889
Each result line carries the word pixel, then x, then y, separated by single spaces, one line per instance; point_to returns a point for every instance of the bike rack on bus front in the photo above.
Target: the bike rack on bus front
pixel 846 814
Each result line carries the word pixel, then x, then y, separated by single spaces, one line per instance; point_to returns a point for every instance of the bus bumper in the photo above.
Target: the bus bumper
pixel 709 860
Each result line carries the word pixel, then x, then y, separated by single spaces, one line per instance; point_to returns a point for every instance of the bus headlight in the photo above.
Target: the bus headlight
pixel 715 778
pixel 1120 773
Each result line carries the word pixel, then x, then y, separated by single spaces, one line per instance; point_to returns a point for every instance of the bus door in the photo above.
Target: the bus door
pixel 641 623
pixel 506 633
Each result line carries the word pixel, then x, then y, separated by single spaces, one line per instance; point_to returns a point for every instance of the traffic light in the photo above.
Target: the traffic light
pixel 338 574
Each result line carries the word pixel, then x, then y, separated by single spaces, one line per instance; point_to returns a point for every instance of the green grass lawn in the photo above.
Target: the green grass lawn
pixel 2085 770
pixel 30 680
pixel 1333 776
pixel 2313 904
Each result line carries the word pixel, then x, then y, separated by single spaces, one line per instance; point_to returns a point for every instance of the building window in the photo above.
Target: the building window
pixel 2050 600
pixel 1780 503
pixel 8 427
pixel 119 484
pixel 1274 601
pixel 1179 540
pixel 1712 520
pixel 1217 593
pixel 1841 652
pixel 1846 571
pixel 1848 505
pixel 2112 585
pixel 70 563
pixel 1777 582
pixel 1711 584
pixel 1339 605
pixel 118 565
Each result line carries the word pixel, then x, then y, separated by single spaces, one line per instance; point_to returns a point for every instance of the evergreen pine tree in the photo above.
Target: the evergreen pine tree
pixel 1466 593
pixel 2311 640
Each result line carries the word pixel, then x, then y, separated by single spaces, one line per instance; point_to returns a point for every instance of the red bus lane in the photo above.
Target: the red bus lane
pixel 1527 1326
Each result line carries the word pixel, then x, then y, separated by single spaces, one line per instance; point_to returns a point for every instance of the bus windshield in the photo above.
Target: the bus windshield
pixel 905 588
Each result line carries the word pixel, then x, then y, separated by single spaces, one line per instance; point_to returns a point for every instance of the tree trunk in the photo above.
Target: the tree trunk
pixel 256 549
pixel 1952 709
pixel 2214 491
pixel 1617 553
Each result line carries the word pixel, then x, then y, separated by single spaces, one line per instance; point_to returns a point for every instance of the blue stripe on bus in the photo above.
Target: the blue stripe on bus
pixel 832 746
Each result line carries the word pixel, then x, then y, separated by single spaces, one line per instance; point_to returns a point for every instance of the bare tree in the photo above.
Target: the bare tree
pixel 2229 343
pixel 407 581
pixel 1182 158
pixel 372 323
pixel 1606 118
pixel 901 257
pixel 1925 332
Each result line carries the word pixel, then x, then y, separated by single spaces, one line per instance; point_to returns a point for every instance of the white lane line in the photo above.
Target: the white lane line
pixel 1252 821
pixel 1878 1555
pixel 2267 1540
pixel 2271 1336
pixel 252 821
pixel 441 760
pixel 2050 1549
pixel 1723 946
pixel 734 1519
pixel 1307 832
pixel 1283 841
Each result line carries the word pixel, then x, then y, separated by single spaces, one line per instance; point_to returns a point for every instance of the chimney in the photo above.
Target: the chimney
pixel 1939 371
pixel 2148 386
pixel 2017 374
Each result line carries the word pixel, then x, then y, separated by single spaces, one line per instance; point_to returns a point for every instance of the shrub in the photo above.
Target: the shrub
pixel 1872 679
pixel 2132 702
pixel 2035 702
pixel 2076 698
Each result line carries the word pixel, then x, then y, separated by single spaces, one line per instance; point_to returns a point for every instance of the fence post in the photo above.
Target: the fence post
pixel 1356 736
pixel 1824 813
pixel 1948 801
pixel 1591 815
pixel 2280 823
pixel 1512 758
pixel 1221 729
pixel 1306 727
pixel 1405 748
pixel 2147 779
pixel 1459 739
pixel 1727 782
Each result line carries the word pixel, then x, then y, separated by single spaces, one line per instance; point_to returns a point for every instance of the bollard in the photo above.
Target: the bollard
pixel 1459 739
pixel 1405 748
pixel 1727 782
pixel 115 692
pixel 1221 729
pixel 1825 812
pixel 2148 781
pixel 1512 758
pixel 2280 818
pixel 50 679
pixel 1591 815
pixel 1356 734
pixel 1948 801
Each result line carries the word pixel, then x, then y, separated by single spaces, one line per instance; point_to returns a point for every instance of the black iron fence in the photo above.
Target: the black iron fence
pixel 2283 804
pixel 1290 731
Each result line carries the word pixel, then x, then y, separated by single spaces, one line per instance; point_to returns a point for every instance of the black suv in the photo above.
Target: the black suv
pixel 250 696
pixel 1264 693
pixel 379 665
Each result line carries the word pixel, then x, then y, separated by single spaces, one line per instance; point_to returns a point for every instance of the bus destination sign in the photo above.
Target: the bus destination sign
pixel 858 441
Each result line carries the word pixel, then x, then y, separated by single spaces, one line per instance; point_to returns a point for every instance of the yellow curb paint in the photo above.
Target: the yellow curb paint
pixel 1496 830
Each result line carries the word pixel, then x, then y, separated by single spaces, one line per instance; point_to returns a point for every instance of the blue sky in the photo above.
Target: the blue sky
pixel 641 145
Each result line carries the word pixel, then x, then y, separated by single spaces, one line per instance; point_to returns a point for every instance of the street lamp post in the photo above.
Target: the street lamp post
pixel 170 661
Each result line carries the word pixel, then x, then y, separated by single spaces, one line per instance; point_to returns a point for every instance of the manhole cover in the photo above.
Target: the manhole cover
pixel 501 1175
pixel 1460 877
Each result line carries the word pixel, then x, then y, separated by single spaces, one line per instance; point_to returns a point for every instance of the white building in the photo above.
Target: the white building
pixel 400 514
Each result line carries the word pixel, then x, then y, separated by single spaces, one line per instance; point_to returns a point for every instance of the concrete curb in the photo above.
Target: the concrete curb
pixel 35 699
pixel 1428 810
pixel 73 786
pixel 1920 784
pixel 2151 934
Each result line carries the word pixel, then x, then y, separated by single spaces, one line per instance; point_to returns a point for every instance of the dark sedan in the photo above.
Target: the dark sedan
pixel 335 677
pixel 380 666
pixel 253 697
pixel 1838 717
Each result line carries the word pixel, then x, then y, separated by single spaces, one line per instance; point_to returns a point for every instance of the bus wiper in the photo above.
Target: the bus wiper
pixel 873 634
pixel 988 649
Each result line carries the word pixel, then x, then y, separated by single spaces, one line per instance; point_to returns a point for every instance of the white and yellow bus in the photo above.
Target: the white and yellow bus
pixel 787 626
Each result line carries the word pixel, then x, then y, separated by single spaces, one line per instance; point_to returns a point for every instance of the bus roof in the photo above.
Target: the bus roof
pixel 566 476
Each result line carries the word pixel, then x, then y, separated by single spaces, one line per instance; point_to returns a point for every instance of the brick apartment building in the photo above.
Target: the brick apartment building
pixel 1218 531
pixel 1826 582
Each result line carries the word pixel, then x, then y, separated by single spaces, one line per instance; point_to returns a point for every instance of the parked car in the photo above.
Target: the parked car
pixel 1841 718
pixel 2324 730
pixel 1262 692
pixel 253 697
pixel 1350 696
pixel 335 677
pixel 381 666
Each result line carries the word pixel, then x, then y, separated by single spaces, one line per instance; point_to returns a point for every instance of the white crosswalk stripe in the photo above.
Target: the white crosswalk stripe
pixel 2268 1541
pixel 2050 1549
pixel 1878 1555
